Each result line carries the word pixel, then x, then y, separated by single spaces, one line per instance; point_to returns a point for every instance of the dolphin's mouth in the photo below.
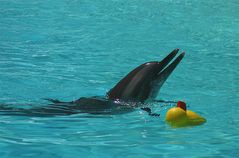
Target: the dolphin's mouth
pixel 168 70
pixel 165 70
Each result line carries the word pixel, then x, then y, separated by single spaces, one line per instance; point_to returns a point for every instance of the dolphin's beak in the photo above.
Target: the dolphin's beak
pixel 167 70
pixel 168 58
pixel 163 70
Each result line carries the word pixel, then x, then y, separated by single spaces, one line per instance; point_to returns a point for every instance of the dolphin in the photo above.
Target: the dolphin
pixel 139 86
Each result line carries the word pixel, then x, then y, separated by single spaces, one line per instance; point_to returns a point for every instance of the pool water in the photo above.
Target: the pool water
pixel 72 48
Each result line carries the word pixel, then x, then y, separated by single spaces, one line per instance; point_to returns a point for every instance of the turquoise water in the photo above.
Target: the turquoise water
pixel 69 48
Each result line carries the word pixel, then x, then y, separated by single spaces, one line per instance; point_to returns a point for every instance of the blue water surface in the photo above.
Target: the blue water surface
pixel 71 48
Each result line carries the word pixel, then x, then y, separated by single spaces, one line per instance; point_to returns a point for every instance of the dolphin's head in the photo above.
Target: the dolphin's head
pixel 144 82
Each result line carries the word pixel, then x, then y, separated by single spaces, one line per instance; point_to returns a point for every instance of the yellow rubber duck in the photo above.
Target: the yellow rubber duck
pixel 179 116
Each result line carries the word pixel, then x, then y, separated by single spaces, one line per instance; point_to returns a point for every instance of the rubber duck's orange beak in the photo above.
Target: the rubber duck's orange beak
pixel 182 105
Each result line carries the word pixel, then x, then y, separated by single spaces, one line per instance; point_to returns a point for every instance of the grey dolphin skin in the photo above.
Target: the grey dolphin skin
pixel 139 86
